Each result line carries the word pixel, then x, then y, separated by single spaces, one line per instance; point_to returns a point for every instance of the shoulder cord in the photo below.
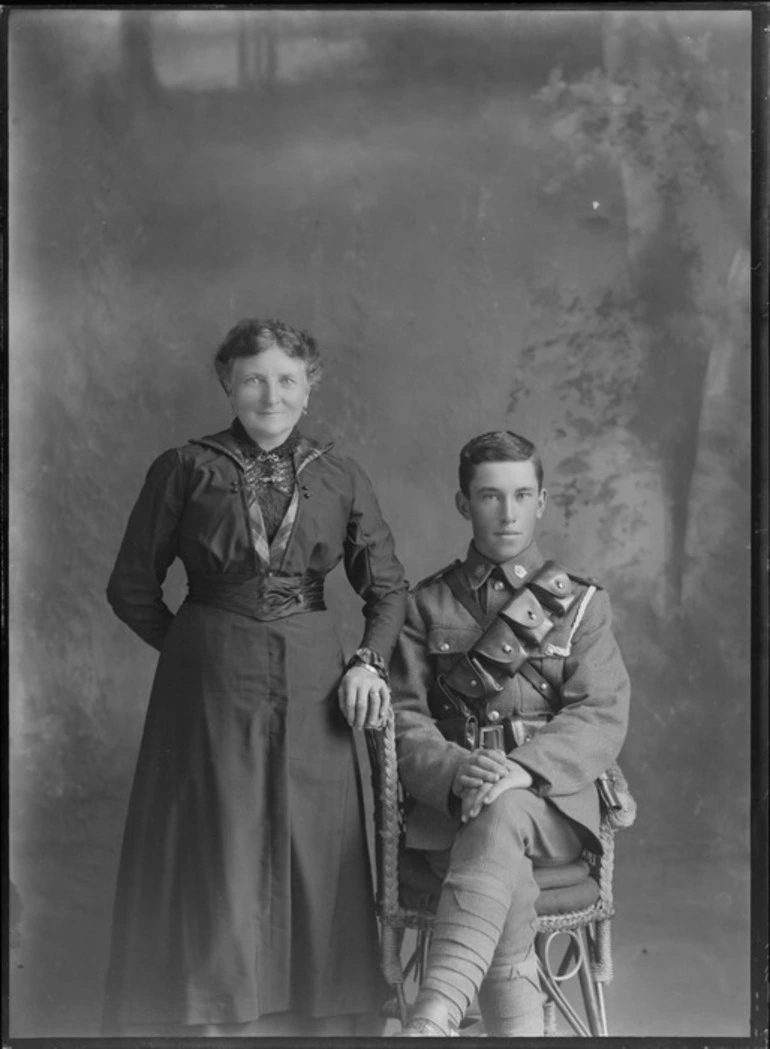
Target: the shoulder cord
pixel 580 613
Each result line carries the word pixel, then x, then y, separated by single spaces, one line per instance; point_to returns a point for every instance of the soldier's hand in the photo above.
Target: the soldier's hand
pixel 477 768
pixel 364 698
pixel 515 778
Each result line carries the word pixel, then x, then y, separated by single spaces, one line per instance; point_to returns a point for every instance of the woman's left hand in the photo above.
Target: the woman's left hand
pixel 364 698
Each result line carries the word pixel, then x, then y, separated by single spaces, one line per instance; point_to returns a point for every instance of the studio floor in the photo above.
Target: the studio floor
pixel 680 938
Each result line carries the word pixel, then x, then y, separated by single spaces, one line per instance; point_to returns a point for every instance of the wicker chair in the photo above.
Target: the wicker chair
pixel 575 900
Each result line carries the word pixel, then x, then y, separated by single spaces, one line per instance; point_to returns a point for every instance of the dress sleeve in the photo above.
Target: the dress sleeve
pixel 135 588
pixel 373 569
pixel 586 735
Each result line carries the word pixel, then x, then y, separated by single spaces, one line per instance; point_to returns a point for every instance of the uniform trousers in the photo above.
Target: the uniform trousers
pixel 483 935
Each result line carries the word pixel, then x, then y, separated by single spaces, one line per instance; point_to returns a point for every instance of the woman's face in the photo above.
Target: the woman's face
pixel 268 393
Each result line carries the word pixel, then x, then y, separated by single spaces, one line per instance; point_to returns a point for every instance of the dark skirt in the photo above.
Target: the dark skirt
pixel 244 886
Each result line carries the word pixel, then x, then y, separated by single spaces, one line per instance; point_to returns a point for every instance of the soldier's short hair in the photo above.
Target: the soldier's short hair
pixel 497 446
pixel 253 335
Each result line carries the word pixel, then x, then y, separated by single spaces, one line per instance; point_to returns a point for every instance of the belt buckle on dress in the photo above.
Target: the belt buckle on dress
pixel 492 737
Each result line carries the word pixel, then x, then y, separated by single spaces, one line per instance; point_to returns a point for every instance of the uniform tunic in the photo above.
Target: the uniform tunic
pixel 244 886
pixel 582 662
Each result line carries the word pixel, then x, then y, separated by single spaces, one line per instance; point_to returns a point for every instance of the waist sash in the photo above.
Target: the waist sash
pixel 259 597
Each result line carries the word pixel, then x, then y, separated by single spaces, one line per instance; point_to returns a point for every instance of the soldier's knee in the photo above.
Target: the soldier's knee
pixel 516 814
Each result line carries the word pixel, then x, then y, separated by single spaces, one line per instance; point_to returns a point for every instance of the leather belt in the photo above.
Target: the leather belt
pixel 494 737
pixel 264 598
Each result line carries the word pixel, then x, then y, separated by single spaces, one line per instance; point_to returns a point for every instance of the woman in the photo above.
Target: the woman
pixel 244 901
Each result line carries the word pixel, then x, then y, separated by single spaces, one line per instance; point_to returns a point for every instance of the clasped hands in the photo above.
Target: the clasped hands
pixel 364 698
pixel 482 776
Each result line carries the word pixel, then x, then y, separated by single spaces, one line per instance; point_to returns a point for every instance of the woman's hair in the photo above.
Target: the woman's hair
pixel 252 336
pixel 495 447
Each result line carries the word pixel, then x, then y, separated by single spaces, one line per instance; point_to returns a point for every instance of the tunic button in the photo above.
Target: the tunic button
pixel 494 715
pixel 544 686
pixel 474 682
pixel 507 648
pixel 498 585
pixel 444 646
pixel 527 739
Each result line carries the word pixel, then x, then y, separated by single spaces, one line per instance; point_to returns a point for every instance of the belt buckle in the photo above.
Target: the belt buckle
pixel 492 737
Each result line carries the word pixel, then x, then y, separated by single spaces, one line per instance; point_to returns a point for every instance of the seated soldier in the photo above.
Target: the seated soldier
pixel 511 699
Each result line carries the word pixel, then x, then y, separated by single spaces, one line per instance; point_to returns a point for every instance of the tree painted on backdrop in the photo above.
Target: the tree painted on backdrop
pixel 658 358
pixel 651 376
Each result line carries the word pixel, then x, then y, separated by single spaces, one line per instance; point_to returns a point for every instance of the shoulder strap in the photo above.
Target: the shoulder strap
pixel 541 683
pixel 465 597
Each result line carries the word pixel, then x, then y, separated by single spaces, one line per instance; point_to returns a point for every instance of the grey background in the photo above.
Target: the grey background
pixel 533 220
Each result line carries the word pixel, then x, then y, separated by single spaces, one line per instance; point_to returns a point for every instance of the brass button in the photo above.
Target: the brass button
pixel 507 648
pixel 444 646
pixel 527 739
pixel 474 682
pixel 544 686
pixel 494 715
pixel 498 585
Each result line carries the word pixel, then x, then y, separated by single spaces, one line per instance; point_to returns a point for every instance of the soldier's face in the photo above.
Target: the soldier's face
pixel 504 505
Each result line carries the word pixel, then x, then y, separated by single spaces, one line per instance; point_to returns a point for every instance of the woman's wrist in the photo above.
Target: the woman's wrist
pixel 370 660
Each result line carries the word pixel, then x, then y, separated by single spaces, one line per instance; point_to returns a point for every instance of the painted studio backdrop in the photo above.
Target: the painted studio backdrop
pixel 530 220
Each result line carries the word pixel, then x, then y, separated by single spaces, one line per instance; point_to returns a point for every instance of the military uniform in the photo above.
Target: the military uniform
pixel 581 670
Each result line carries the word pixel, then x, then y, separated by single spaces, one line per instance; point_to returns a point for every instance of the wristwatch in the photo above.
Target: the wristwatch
pixel 370 660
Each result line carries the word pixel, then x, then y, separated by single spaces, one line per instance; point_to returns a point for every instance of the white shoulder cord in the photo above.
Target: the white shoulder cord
pixel 556 650
pixel 580 613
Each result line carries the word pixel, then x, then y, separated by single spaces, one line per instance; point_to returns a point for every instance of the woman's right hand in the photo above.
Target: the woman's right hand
pixel 364 698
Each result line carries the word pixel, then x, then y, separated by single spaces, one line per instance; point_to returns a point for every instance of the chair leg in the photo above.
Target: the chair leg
pixel 403 1011
pixel 602 1008
pixel 588 987
pixel 551 980
pixel 549 1018
pixel 598 936
pixel 424 947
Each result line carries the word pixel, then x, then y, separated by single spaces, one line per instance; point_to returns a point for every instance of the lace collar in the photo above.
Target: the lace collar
pixel 251 450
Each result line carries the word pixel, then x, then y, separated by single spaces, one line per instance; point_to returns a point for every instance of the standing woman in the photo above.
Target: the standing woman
pixel 244 900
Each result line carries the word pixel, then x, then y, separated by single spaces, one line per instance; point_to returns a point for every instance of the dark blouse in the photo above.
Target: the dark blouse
pixel 269 477
pixel 194 505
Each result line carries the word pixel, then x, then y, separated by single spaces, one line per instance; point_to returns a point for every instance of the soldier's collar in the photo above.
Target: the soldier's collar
pixel 478 568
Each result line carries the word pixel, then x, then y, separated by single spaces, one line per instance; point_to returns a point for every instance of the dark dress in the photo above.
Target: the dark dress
pixel 244 886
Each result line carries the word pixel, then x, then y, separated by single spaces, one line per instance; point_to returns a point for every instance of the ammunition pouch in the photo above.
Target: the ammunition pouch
pixel 527 618
pixel 554 589
pixel 523 624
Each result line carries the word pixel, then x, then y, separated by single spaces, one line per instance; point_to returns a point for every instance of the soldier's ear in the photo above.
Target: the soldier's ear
pixel 542 499
pixel 461 502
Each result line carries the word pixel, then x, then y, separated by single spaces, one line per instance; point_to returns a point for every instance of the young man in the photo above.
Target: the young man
pixel 511 698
